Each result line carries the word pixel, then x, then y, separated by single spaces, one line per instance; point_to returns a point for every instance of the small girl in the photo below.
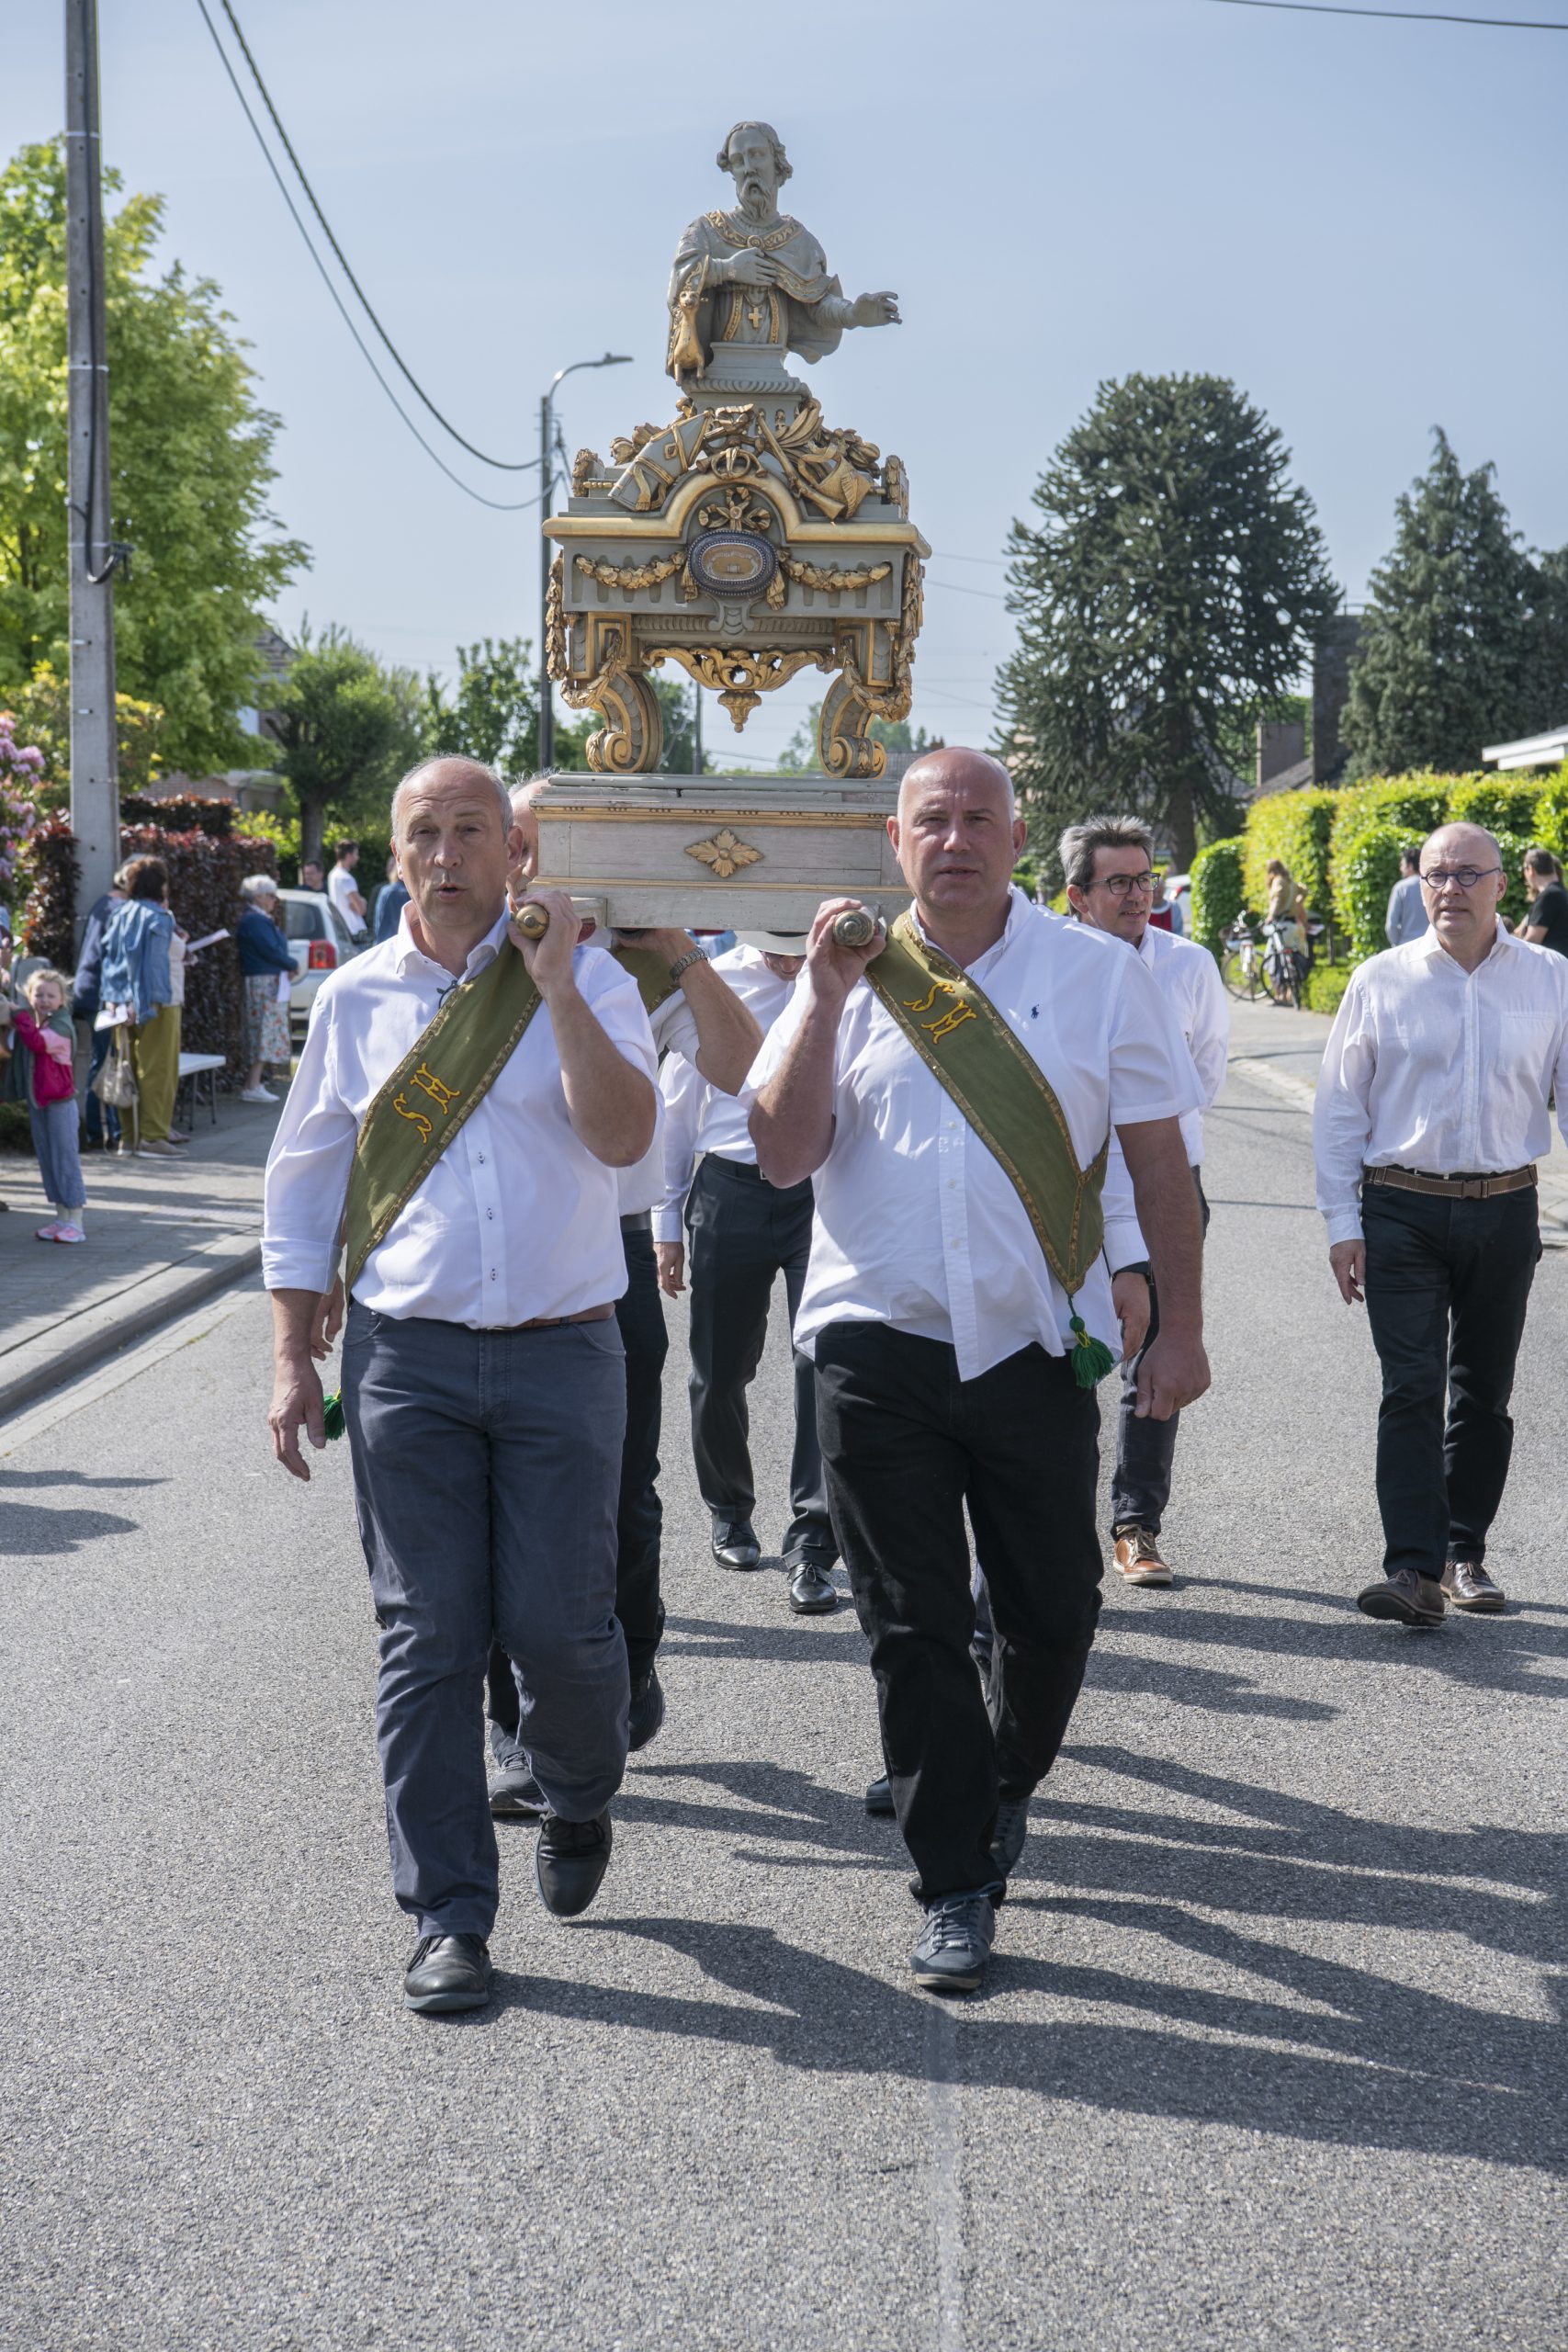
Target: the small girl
pixel 47 1032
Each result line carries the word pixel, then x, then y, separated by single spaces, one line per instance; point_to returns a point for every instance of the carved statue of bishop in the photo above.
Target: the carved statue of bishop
pixel 751 284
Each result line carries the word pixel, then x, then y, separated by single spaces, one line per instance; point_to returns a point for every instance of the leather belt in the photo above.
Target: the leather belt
pixel 554 1322
pixel 1451 1188
pixel 638 1221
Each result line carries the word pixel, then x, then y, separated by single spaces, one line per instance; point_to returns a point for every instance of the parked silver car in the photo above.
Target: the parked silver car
pixel 320 941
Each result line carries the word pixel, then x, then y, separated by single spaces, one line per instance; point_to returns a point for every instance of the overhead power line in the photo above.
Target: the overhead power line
pixel 501 465
pixel 501 505
pixel 1401 15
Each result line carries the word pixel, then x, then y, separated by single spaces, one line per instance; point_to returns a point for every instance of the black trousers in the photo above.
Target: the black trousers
pixel 907 1445
pixel 638 1513
pixel 744 1233
pixel 1447 1284
pixel 1140 1488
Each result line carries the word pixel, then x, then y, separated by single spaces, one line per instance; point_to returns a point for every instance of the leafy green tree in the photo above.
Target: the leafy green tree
pixel 1170 593
pixel 347 728
pixel 1454 651
pixel 191 458
pixel 492 709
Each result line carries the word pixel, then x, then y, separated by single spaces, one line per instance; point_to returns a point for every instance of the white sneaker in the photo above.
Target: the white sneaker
pixel 257 1095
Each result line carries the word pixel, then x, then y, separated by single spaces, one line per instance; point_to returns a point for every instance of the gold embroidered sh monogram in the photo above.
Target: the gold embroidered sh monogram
pixel 435 1087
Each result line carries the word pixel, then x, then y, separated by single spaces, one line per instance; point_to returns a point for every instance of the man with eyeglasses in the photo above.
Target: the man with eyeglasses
pixel 1432 1108
pixel 1108 867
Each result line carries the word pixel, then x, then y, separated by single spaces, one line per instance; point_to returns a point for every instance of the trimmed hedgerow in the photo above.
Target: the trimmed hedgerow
pixel 1503 803
pixel 48 867
pixel 1365 869
pixel 191 813
pixel 1218 895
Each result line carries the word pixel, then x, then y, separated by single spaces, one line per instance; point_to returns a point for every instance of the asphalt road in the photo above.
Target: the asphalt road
pixel 1270 2054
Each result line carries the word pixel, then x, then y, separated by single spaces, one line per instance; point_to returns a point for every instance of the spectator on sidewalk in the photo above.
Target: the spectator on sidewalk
pixel 138 979
pixel 1406 917
pixel 383 891
pixel 47 1035
pixel 266 967
pixel 1546 925
pixel 343 892
pixel 313 874
pixel 101 1119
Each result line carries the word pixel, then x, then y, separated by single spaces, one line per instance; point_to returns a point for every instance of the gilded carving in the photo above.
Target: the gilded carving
pixel 725 853
pixel 833 579
pixel 555 622
pixel 584 466
pixel 739 677
pixel 633 576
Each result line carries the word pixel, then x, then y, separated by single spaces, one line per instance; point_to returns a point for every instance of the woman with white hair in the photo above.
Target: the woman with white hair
pixel 266 962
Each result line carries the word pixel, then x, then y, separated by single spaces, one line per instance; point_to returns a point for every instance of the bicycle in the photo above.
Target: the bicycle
pixel 1241 962
pixel 1253 966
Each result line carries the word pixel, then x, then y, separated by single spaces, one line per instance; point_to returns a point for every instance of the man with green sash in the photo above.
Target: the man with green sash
pixel 692 1013
pixel 462 1104
pixel 952 1090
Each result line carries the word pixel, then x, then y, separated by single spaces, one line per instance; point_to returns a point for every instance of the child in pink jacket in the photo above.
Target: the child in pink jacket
pixel 44 1028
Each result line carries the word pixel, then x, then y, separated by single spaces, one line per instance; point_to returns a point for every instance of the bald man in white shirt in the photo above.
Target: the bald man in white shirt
pixel 1432 1108
pixel 945 1343
pixel 483 1376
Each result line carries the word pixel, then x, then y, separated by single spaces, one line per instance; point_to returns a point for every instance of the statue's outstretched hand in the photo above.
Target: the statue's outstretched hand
pixel 876 310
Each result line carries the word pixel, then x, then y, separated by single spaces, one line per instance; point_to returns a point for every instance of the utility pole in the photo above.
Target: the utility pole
pixel 94 760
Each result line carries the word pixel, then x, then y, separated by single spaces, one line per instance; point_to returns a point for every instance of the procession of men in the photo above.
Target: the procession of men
pixel 971 1144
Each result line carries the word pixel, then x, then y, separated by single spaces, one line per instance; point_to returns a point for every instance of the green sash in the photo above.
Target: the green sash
pixel 1008 1100
pixel 438 1084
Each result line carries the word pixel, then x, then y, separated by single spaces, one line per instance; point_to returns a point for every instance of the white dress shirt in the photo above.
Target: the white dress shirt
pixel 516 1220
pixel 1188 979
pixel 674 1031
pixel 698 1117
pixel 917 1226
pixel 1433 1067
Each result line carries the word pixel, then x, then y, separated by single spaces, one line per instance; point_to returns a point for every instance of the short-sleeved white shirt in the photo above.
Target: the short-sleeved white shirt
pixel 917 1225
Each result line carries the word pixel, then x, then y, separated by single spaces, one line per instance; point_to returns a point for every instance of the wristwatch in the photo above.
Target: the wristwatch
pixel 683 963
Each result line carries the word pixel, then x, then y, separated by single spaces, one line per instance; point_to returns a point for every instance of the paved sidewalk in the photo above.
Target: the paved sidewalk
pixel 161 1236
pixel 1283 1050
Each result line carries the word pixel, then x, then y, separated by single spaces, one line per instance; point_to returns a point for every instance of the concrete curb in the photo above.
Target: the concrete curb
pixel 48 1362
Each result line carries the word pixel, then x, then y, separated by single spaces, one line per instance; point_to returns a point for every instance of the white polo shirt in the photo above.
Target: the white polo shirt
pixel 516 1220
pixel 699 1118
pixel 917 1226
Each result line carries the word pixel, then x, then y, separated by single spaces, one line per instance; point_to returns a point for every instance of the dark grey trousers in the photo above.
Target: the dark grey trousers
pixel 1146 1448
pixel 486 1469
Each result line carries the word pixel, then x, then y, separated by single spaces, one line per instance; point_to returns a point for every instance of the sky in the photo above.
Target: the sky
pixel 1359 222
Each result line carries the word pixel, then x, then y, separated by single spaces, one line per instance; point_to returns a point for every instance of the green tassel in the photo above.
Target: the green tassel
pixel 333 1422
pixel 1091 1357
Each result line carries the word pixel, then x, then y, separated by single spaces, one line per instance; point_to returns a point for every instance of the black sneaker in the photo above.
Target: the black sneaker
pixel 952 1953
pixel 735 1544
pixel 515 1795
pixel 447 1972
pixel 571 1860
pixel 647 1715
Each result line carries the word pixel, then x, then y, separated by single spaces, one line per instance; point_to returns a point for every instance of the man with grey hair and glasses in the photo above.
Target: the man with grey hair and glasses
pixel 1433 1105
pixel 464 1100
pixel 1108 863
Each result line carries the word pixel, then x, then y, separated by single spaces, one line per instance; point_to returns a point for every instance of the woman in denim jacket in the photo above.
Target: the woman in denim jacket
pixel 136 975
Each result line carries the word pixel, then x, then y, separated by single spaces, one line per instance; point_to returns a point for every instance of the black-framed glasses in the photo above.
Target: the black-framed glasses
pixel 1119 884
pixel 1467 876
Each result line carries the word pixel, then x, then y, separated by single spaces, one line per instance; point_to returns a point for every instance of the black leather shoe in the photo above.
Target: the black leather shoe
pixel 447 1972
pixel 647 1715
pixel 1405 1598
pixel 1468 1586
pixel 812 1592
pixel 735 1544
pixel 571 1860
pixel 879 1796
pixel 515 1795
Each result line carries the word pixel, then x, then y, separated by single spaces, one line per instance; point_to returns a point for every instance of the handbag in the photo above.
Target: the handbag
pixel 116 1081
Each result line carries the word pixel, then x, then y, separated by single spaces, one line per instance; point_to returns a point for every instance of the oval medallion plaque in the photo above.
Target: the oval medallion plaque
pixel 732 564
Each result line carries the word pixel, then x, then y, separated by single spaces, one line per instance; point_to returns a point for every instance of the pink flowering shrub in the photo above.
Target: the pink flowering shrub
pixel 21 767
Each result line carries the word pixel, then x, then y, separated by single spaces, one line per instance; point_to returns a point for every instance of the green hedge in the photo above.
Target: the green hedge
pixel 1552 814
pixel 1501 803
pixel 1366 867
pixel 1294 827
pixel 1218 893
pixel 1326 984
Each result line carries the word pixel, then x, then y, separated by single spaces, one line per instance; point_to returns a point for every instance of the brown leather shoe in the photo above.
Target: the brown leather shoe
pixel 1468 1586
pixel 1137 1557
pixel 1405 1598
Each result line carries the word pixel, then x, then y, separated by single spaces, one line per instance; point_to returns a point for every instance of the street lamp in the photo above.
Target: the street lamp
pixel 546 489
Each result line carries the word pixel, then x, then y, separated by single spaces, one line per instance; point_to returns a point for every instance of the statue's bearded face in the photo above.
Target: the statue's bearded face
pixel 753 169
